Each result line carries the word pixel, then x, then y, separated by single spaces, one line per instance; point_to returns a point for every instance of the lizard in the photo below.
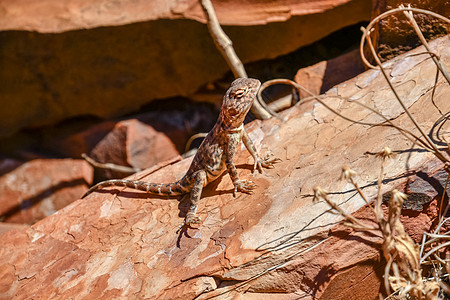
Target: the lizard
pixel 214 155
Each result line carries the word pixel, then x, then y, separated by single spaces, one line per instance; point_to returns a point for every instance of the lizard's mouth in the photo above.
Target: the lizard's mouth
pixel 233 111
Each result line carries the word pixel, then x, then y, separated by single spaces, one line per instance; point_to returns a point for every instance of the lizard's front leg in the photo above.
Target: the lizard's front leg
pixel 245 186
pixel 266 162
pixel 196 192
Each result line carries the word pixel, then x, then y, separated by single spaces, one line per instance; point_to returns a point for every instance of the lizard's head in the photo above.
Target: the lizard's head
pixel 238 100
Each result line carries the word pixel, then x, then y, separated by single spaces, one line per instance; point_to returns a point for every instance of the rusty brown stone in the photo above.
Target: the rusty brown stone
pixel 394 33
pixel 322 76
pixel 52 16
pixel 133 53
pixel 134 144
pixel 40 187
pixel 4 227
pixel 276 243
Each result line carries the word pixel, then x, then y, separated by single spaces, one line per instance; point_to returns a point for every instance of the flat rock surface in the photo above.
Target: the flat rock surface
pixel 57 16
pixel 66 59
pixel 123 243
pixel 322 76
pixel 38 188
pixel 135 144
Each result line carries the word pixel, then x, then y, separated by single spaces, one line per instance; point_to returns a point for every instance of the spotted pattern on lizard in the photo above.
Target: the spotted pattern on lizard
pixel 215 154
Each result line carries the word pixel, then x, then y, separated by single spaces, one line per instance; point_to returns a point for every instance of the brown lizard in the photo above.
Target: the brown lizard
pixel 215 154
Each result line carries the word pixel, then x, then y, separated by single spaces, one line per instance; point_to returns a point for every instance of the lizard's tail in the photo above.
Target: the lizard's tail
pixel 170 189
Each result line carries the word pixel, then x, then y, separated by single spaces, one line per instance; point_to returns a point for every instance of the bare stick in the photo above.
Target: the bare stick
pixel 419 33
pixel 192 138
pixel 320 193
pixel 110 166
pixel 388 13
pixel 225 46
pixel 388 123
pixel 408 113
pixel 264 104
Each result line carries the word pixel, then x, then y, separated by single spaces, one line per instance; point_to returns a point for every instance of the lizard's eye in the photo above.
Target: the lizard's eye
pixel 239 93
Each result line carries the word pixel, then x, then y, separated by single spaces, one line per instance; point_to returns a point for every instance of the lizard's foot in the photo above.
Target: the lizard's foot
pixel 245 186
pixel 266 162
pixel 189 221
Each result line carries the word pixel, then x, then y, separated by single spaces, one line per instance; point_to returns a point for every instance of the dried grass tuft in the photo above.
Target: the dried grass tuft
pixel 403 277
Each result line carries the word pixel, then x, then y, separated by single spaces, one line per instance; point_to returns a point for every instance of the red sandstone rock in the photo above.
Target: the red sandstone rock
pixel 322 76
pixel 133 54
pixel 135 144
pixel 8 164
pixel 277 243
pixel 178 124
pixel 4 227
pixel 52 16
pixel 75 144
pixel 41 187
pixel 395 35
pixel 140 142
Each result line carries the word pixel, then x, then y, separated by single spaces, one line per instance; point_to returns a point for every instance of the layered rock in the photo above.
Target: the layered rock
pixel 40 187
pixel 395 34
pixel 123 243
pixel 53 16
pixel 322 76
pixel 135 144
pixel 55 69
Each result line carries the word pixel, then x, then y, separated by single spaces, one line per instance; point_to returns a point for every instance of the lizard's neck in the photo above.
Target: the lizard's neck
pixel 230 128
pixel 235 129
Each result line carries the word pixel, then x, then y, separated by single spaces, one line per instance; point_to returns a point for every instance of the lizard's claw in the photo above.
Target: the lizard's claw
pixel 245 186
pixel 189 221
pixel 266 162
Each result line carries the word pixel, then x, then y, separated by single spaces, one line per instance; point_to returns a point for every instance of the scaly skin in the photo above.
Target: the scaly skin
pixel 215 154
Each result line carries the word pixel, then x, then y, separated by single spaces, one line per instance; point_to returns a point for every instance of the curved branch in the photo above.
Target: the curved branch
pixel 225 46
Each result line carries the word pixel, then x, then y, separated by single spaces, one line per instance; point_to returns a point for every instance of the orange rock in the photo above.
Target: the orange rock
pixel 142 141
pixel 135 144
pixel 74 144
pixel 4 227
pixel 8 164
pixel 278 242
pixel 41 187
pixel 51 16
pixel 395 35
pixel 108 58
pixel 322 76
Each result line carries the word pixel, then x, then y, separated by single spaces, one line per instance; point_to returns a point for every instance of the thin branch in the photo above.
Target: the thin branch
pixel 434 250
pixel 263 103
pixel 192 138
pixel 388 13
pixel 441 216
pixel 378 200
pixel 110 166
pixel 275 267
pixel 408 13
pixel 427 139
pixel 225 46
pixel 404 132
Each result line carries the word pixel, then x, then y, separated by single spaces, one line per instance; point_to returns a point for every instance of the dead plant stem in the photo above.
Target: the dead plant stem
pixel 441 215
pixel 409 15
pixel 225 46
pixel 388 13
pixel 110 166
pixel 429 142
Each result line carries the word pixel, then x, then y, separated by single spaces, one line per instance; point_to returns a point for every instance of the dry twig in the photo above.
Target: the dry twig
pixel 403 272
pixel 225 46
pixel 110 166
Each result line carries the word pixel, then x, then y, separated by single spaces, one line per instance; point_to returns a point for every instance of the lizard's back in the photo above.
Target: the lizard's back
pixel 210 155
